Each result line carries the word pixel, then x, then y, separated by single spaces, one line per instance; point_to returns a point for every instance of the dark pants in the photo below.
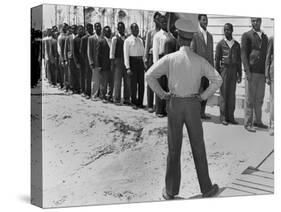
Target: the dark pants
pixel 74 76
pixel 88 78
pixel 254 98
pixel 61 69
pixel 106 80
pixel 83 71
pixel 137 80
pixel 119 74
pixel 185 111
pixel 51 72
pixel 150 93
pixel 204 85
pixel 227 93
pixel 271 120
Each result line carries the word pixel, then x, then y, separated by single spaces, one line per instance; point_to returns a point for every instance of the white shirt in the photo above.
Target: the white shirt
pixel 158 45
pixel 204 32
pixel 184 70
pixel 259 33
pixel 133 47
pixel 108 40
pixel 230 43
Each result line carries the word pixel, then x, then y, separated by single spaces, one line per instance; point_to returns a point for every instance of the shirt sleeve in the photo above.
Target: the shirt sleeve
pixel 113 48
pixel 213 76
pixel 160 68
pixel 126 54
pixel 147 45
pixel 155 49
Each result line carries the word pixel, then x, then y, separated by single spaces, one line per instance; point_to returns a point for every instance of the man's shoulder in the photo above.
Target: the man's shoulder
pixel 248 33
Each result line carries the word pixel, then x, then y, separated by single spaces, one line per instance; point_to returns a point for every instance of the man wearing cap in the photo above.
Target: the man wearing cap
pixel 202 44
pixel 134 63
pixel 253 52
pixel 148 57
pixel 228 63
pixel 184 70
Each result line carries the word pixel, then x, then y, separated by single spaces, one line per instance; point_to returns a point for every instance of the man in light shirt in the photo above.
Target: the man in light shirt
pixel 118 67
pixel 229 65
pixel 158 50
pixel 148 57
pixel 202 44
pixel 134 63
pixel 184 70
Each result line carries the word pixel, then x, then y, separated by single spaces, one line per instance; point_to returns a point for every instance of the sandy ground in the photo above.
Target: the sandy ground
pixel 95 153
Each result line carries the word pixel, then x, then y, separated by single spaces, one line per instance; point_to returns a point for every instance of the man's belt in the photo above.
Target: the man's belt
pixel 136 57
pixel 195 95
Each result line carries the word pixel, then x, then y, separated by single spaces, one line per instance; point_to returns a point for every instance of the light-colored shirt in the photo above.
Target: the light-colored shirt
pixel 113 45
pixel 184 70
pixel 204 32
pixel 133 47
pixel 61 36
pixel 259 33
pixel 158 46
pixel 108 40
pixel 230 43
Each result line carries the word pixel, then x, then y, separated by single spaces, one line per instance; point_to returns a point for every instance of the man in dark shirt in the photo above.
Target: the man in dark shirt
pixel 118 67
pixel 106 75
pixel 228 64
pixel 253 52
pixel 86 72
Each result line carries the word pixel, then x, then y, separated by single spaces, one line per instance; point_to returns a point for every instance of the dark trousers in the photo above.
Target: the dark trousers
pixel 150 93
pixel 227 93
pixel 119 74
pixel 106 80
pixel 160 103
pixel 137 80
pixel 83 74
pixel 88 80
pixel 204 85
pixel 67 75
pixel 61 69
pixel 271 120
pixel 255 89
pixel 185 111
pixel 51 72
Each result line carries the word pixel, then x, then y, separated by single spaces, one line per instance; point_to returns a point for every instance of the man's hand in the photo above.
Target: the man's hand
pixel 198 96
pixel 249 76
pixel 112 66
pixel 78 66
pixel 267 80
pixel 167 96
pixel 239 79
pixel 92 66
pixel 129 72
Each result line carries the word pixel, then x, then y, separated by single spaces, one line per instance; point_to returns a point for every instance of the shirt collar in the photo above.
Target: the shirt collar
pixel 185 48
pixel 232 40
pixel 121 36
pixel 202 30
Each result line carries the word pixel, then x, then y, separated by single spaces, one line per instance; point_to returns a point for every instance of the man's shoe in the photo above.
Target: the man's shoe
pixel 250 128
pixel 134 107
pixel 150 110
pixel 233 122
pixel 117 103
pixel 105 101
pixel 213 191
pixel 204 116
pixel 167 196
pixel 261 125
pixel 127 103
pixel 159 115
pixel 224 122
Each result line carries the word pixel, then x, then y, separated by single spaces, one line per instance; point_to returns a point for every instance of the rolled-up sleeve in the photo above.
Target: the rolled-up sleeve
pixel 213 76
pixel 160 68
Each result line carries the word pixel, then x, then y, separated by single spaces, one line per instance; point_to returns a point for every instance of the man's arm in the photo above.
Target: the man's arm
pixel 155 49
pixel 244 53
pixel 147 45
pixel 193 45
pixel 239 65
pixel 76 49
pixel 212 49
pixel 113 48
pixel 126 54
pixel 268 61
pixel 90 49
pixel 160 68
pixel 213 76
pixel 218 57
